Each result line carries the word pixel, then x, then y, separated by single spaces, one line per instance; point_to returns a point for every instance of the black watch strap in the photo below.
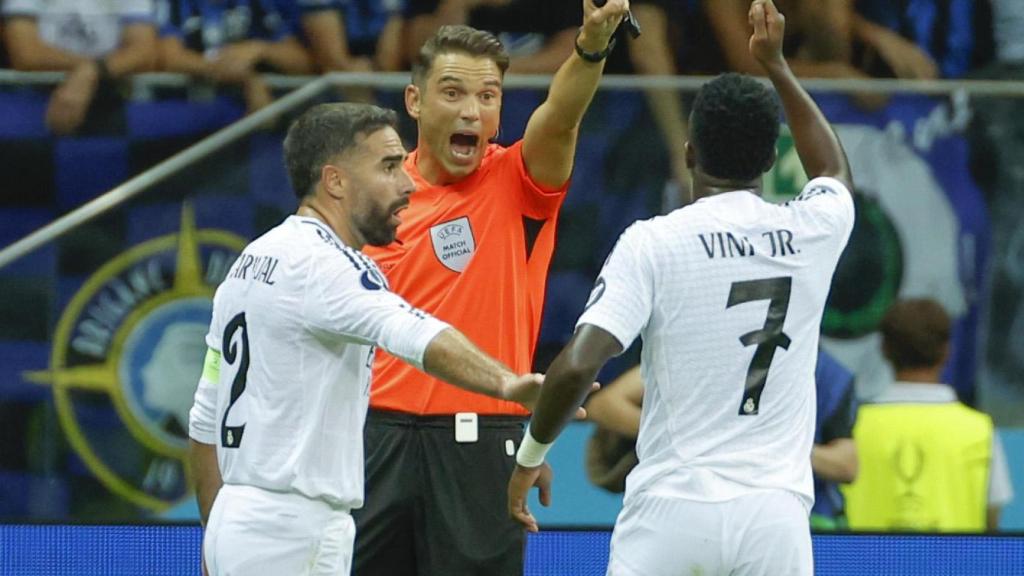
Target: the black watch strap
pixel 593 56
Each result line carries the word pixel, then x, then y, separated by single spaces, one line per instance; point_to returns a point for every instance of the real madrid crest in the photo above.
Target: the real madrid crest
pixel 128 350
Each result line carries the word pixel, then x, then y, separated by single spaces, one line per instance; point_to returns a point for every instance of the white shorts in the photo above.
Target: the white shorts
pixel 762 534
pixel 255 532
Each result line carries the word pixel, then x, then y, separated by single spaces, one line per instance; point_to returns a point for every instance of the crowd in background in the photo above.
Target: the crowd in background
pixel 232 43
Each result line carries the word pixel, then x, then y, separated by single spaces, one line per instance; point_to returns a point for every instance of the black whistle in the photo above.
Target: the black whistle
pixel 632 26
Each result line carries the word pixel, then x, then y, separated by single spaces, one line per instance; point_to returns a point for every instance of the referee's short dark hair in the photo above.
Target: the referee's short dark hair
pixel 734 124
pixel 325 131
pixel 461 39
pixel 915 334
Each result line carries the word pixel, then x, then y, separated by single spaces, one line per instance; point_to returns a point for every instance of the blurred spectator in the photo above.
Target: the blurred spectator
pixel 940 34
pixel 617 406
pixel 818 43
pixel 1008 29
pixel 538 34
pixel 885 52
pixel 617 410
pixel 818 36
pixel 230 42
pixel 350 35
pixel 95 41
pixel 834 454
pixel 652 54
pixel 996 144
pixel 928 462
pixel 611 450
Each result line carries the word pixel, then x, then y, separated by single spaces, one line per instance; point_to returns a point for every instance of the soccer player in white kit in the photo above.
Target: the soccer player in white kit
pixel 279 412
pixel 727 294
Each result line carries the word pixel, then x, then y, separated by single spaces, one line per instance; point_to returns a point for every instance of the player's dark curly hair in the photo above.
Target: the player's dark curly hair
pixel 325 131
pixel 915 334
pixel 733 127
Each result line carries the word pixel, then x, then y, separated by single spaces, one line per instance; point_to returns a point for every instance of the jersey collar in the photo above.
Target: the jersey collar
pixel 728 196
pixel 309 220
pixel 916 393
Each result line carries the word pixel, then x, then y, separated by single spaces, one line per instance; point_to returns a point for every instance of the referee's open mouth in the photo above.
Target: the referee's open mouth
pixel 464 145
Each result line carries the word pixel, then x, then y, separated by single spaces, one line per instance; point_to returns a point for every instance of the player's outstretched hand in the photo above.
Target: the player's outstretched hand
pixel 519 485
pixel 526 389
pixel 769 27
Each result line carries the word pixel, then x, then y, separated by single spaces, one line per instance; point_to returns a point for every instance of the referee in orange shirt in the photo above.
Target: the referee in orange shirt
pixel 473 249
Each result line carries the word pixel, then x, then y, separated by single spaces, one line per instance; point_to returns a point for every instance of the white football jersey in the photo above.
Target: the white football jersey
pixel 728 295
pixel 296 320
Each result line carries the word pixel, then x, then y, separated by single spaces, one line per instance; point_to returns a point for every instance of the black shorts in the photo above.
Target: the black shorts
pixel 434 506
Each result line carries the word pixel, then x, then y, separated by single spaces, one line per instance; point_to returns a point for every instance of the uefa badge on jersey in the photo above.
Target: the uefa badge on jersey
pixel 453 243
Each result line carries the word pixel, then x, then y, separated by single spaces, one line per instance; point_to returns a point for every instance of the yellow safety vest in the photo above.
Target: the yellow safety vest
pixel 923 467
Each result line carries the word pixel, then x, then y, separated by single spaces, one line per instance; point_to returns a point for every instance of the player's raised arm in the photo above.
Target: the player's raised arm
pixel 549 143
pixel 816 143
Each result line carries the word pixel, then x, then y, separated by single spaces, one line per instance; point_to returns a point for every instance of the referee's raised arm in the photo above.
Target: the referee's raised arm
pixel 816 143
pixel 549 142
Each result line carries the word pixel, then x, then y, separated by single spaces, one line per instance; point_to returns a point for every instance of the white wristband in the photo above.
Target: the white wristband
pixel 531 452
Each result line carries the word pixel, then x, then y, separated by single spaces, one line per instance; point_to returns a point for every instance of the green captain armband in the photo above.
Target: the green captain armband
pixel 211 366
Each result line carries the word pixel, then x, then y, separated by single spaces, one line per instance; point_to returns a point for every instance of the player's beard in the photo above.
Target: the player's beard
pixel 376 226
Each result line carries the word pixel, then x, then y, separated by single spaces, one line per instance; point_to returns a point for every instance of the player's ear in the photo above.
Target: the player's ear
pixel 412 101
pixel 691 156
pixel 333 181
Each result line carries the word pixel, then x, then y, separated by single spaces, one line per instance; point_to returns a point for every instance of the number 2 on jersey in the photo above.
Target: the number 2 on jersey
pixel 767 339
pixel 231 436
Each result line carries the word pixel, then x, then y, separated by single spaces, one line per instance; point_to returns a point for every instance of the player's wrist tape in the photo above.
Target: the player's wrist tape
pixel 531 452
pixel 593 56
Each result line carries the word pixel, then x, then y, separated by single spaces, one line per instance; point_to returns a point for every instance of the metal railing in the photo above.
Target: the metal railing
pixel 306 88
pixel 398 80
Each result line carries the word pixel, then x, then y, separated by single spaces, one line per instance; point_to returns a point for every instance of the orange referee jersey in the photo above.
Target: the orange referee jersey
pixel 475 254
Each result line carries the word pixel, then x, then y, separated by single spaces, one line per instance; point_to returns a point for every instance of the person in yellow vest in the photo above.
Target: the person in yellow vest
pixel 927 461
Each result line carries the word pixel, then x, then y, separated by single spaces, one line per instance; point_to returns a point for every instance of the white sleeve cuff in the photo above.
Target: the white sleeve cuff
pixel 202 418
pixel 411 346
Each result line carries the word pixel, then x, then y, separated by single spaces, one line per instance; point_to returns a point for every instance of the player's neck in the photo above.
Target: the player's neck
pixel 705 185
pixel 311 208
pixel 920 375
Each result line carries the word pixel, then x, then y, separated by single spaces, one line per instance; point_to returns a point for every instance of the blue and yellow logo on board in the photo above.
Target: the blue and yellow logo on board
pixel 127 354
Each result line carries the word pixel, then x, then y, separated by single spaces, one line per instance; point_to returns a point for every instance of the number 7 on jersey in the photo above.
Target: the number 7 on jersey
pixel 767 339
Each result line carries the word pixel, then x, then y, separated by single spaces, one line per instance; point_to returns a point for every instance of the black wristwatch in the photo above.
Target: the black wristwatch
pixel 593 56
